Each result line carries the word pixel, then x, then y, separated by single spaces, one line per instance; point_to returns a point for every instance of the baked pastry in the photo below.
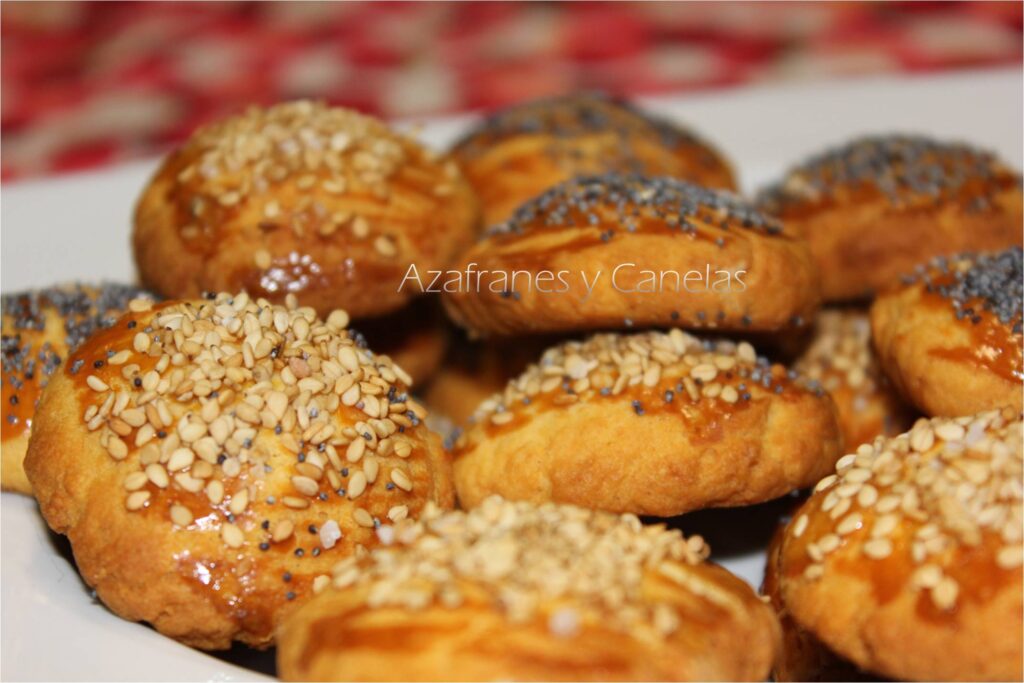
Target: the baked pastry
pixel 510 591
pixel 617 251
pixel 472 372
pixel 840 358
pixel 208 459
pixel 803 657
pixel 876 207
pixel 907 561
pixel 301 198
pixel 415 337
pixel 652 423
pixel 950 337
pixel 518 152
pixel 39 328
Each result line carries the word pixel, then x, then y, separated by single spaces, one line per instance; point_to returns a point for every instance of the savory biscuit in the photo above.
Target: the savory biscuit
pixel 950 337
pixel 208 460
pixel 651 423
pixel 907 561
pixel 512 591
pixel 876 207
pixel 803 657
pixel 621 251
pixel 301 198
pixel 40 327
pixel 841 359
pixel 517 153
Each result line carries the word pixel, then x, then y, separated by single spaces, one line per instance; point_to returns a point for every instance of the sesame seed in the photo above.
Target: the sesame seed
pixel 180 515
pixel 137 499
pixel 232 535
pixel 401 480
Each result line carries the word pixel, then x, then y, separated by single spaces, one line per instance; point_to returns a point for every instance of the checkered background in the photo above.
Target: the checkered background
pixel 86 84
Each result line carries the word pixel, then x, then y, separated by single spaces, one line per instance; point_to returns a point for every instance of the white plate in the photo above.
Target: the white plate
pixel 77 227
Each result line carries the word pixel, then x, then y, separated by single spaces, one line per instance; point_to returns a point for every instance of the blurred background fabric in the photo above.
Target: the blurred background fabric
pixel 87 83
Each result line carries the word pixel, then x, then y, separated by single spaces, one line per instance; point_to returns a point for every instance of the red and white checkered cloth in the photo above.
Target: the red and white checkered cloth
pixel 86 84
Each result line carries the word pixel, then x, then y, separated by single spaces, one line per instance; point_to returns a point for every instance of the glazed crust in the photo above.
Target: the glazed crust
pixel 187 581
pixel 740 278
pixel 634 452
pixel 520 152
pixel 335 238
pixel 939 362
pixel 841 358
pixel 803 657
pixel 515 591
pixel 336 638
pixel 863 237
pixel 38 327
pixel 867 599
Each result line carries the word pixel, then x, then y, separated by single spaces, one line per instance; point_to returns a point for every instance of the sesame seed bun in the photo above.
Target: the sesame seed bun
pixel 210 460
pixel 652 423
pixel 519 152
pixel 39 329
pixel 510 591
pixel 803 657
pixel 950 337
pixel 876 207
pixel 634 251
pixel 301 198
pixel 841 360
pixel 907 561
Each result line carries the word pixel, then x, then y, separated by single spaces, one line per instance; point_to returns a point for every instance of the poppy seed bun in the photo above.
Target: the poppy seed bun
pixel 877 206
pixel 950 337
pixel 634 251
pixel 518 152
pixel 40 327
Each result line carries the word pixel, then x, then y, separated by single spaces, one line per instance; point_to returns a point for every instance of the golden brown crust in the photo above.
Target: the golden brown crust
pixel 208 496
pixel 949 364
pixel 527 613
pixel 908 561
pixel 840 358
pixel 39 326
pixel 520 152
pixel 803 657
pixel 620 423
pixel 300 198
pixel 876 207
pixel 620 251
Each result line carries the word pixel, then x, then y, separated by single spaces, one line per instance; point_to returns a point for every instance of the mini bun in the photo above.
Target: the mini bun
pixel 40 327
pixel 651 423
pixel 950 336
pixel 726 266
pixel 510 591
pixel 874 208
pixel 210 460
pixel 907 561
pixel 320 202
pixel 518 152
pixel 841 359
